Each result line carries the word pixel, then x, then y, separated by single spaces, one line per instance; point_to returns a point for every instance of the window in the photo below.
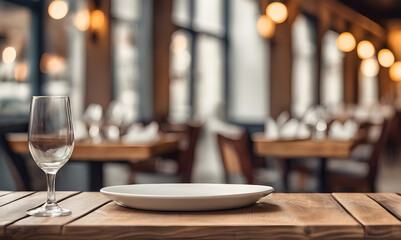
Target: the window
pixel 197 59
pixel 131 57
pixel 15 59
pixel 368 82
pixel 332 74
pixel 198 62
pixel 303 69
pixel 249 65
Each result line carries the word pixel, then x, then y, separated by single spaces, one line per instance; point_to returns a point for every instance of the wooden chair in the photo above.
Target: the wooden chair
pixel 359 175
pixel 394 138
pixel 237 158
pixel 184 158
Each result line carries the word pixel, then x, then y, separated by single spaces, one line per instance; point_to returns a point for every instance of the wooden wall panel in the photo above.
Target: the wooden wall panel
pixel 98 61
pixel 352 64
pixel 386 86
pixel 280 70
pixel 162 31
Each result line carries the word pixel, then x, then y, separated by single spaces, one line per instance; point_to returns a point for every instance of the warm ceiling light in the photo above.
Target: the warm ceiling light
pixel 277 12
pixel 346 42
pixel 265 26
pixel 97 20
pixel 395 72
pixel 370 67
pixel 81 20
pixel 386 57
pixel 58 9
pixel 9 55
pixel 365 49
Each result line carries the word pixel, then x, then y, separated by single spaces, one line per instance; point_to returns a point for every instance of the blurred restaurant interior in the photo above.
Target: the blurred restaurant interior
pixel 301 95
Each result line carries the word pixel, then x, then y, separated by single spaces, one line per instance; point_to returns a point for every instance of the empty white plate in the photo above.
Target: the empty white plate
pixel 186 196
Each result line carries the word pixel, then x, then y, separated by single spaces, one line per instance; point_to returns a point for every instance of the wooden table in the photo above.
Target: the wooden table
pixel 279 215
pixel 99 153
pixel 303 148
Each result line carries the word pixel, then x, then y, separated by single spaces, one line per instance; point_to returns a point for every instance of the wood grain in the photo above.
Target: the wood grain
pixel 378 222
pixel 302 148
pixel 287 216
pixel 2 193
pixel 79 205
pixel 107 151
pixel 6 199
pixel 16 210
pixel 277 216
pixel 390 201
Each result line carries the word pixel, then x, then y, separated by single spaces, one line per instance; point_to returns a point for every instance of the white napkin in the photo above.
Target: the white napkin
pixel 80 130
pixel 282 118
pixel 139 134
pixel 303 131
pixel 344 131
pixel 289 129
pixel 271 129
pixel 310 116
pixel 93 113
pixel 115 113
pixel 361 114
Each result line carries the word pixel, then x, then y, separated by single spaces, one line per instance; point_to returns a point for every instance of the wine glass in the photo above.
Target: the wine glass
pixel 51 141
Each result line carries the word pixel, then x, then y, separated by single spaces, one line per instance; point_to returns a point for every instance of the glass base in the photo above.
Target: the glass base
pixel 49 210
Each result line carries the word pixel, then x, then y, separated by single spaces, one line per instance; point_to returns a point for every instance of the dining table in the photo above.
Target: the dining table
pixel 276 216
pixel 322 149
pixel 96 154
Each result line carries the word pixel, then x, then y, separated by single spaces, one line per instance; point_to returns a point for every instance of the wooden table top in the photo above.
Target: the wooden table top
pixel 279 215
pixel 326 148
pixel 107 151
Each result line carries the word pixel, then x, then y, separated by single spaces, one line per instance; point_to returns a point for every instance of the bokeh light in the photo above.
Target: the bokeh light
pixel 97 20
pixel 386 57
pixel 21 71
pixel 266 26
pixel 365 49
pixel 346 42
pixel 9 55
pixel 58 9
pixel 82 20
pixel 277 12
pixel 52 64
pixel 370 67
pixel 395 72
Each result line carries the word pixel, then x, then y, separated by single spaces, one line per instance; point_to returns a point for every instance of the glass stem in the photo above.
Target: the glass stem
pixel 51 186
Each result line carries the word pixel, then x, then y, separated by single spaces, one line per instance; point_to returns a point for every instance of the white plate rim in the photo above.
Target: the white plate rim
pixel 265 192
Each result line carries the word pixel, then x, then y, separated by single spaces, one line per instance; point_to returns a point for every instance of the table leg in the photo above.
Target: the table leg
pixel 286 172
pixel 96 176
pixel 323 175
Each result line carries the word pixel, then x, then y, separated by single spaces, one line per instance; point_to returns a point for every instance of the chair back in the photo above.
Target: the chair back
pixel 15 162
pixel 236 156
pixel 187 150
pixel 377 150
